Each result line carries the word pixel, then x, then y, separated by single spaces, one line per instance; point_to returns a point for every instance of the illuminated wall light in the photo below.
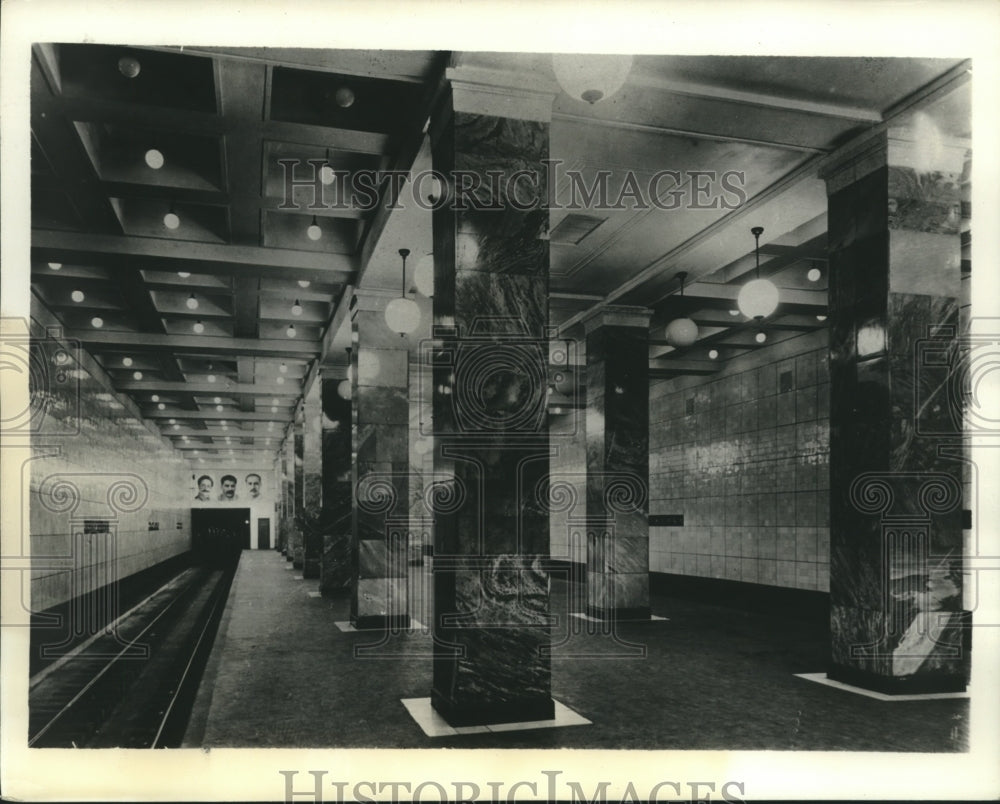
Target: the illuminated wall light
pixel 304 283
pixel 713 354
pixel 191 302
pixel 137 375
pixel 591 77
pixel 77 296
pixel 290 332
pixel 313 232
pixel 126 361
pixel 871 339
pixel 760 337
pixel 154 158
pixel 734 312
pixel 296 308
pixel 183 274
pixel 198 327
pixel 821 317
pixel 97 322
pixel 55 266
pixel 814 274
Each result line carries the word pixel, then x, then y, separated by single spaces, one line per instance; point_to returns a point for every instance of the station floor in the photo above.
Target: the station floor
pixel 283 673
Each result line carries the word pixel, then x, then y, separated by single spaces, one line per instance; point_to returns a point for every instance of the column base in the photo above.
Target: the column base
pixel 310 568
pixel 635 613
pixel 381 621
pixel 481 714
pixel 891 685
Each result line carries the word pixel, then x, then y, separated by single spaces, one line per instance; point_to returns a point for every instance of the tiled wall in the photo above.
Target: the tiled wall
pixel 94 460
pixel 744 457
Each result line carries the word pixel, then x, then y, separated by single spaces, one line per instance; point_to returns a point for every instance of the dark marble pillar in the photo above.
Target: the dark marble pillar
pixel 491 588
pixel 298 543
pixel 617 425
pixel 310 519
pixel 895 428
pixel 288 486
pixel 335 563
pixel 380 432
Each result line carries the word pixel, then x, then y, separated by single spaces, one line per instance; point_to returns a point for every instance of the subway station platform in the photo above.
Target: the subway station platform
pixel 286 671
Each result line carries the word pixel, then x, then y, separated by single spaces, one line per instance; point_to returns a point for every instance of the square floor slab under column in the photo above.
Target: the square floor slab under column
pixel 584 616
pixel 821 678
pixel 434 725
pixel 347 628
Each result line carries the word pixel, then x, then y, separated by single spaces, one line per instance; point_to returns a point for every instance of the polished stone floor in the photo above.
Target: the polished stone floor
pixel 282 674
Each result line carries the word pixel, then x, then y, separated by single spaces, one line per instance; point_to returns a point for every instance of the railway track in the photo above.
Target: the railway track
pixel 132 685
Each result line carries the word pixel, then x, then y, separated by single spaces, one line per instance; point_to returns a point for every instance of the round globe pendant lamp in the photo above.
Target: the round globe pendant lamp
pixel 591 77
pixel 758 298
pixel 681 331
pixel 402 314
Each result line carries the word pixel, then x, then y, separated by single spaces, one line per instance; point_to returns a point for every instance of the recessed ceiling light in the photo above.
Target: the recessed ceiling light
pixel 290 332
pixel 137 375
pixel 223 422
pixel 296 308
pixel 280 381
pixel 229 440
pixel 191 302
pixel 821 318
pixel 274 401
pixel 231 452
pixel 126 361
pixel 177 427
pixel 171 421
pixel 283 368
pixel 326 175
pixel 219 408
pixel 185 438
pixel 274 409
pixel 198 327
pixel 760 337
pixel 304 283
pixel 211 378
pixel 313 232
pixel 344 97
pixel 97 322
pixel 55 266
pixel 183 274
pixel 77 296
pixel 217 399
pixel 713 354
pixel 171 221
pixel 814 274
pixel 155 397
pixel 154 159
pixel 129 66
pixel 161 406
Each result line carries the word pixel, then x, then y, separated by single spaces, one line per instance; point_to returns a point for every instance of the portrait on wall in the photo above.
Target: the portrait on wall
pixel 229 487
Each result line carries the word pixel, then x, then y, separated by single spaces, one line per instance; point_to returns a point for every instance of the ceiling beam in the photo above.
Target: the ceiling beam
pixel 408 146
pixel 759 100
pixel 944 84
pixel 214 415
pixel 209 388
pixel 205 258
pixel 196 344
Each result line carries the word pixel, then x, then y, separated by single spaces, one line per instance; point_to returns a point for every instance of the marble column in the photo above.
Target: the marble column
pixel 335 563
pixel 298 447
pixel 617 426
pixel 310 519
pixel 288 486
pixel 491 262
pixel 896 542
pixel 380 439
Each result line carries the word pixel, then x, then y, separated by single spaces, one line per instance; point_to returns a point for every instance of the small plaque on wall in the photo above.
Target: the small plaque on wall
pixel 666 520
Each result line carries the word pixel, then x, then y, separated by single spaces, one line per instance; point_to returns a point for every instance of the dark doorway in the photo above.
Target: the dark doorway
pixel 219 534
pixel 263 534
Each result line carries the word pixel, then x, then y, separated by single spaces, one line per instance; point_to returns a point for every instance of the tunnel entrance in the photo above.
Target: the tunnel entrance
pixel 219 534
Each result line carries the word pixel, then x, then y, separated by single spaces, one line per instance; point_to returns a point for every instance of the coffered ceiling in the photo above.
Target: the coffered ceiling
pixel 192 321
